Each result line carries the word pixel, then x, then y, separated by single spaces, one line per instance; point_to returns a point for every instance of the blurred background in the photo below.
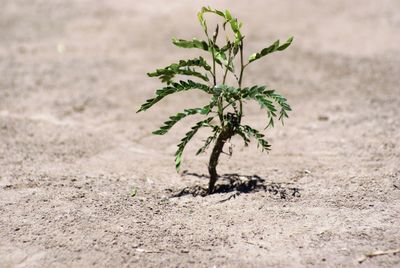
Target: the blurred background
pixel 73 74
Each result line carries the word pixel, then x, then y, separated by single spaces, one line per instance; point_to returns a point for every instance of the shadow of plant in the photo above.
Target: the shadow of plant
pixel 238 184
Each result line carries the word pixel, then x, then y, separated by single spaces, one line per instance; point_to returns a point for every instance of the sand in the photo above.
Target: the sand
pixel 84 183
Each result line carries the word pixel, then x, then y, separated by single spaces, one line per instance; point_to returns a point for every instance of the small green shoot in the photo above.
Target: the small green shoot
pixel 133 192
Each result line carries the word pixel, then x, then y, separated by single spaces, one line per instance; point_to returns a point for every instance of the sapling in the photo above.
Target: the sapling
pixel 225 110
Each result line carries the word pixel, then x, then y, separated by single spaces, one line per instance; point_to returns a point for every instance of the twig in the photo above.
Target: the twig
pixel 378 253
pixel 230 197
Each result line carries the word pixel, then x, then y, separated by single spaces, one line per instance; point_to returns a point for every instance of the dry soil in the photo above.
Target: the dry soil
pixel 73 152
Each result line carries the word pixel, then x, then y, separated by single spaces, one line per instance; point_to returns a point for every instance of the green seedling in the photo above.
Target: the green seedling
pixel 224 113
pixel 133 192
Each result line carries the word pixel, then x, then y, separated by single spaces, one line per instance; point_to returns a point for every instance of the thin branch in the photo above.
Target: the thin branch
pixel 242 67
pixel 378 253
pixel 230 58
pixel 213 58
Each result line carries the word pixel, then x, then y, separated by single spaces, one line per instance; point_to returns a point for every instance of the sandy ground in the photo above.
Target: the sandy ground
pixel 72 149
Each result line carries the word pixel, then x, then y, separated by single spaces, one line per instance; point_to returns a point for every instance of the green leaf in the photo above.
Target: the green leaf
pixel 182 68
pixel 195 43
pixel 200 16
pixel 228 18
pixel 230 94
pixel 282 101
pixel 271 121
pixel 173 88
pixel 202 21
pixel 252 92
pixel 228 46
pixel 219 54
pixel 242 134
pixel 179 116
pixel 133 192
pixel 189 135
pixel 266 98
pixel 257 93
pixel 286 44
pixel 257 135
pixel 273 48
pixel 265 103
pixel 211 10
pixel 228 15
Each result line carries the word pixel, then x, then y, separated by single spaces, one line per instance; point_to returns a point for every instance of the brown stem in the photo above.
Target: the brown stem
pixel 225 135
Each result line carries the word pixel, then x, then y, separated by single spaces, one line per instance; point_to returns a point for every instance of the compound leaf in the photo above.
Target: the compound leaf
pixel 242 134
pixel 257 135
pixel 273 48
pixel 173 88
pixel 228 19
pixel 179 116
pixel 264 96
pixel 264 103
pixel 282 101
pixel 219 54
pixel 195 43
pixel 182 68
pixel 189 135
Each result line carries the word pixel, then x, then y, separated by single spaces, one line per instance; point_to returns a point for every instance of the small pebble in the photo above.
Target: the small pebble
pixel 323 118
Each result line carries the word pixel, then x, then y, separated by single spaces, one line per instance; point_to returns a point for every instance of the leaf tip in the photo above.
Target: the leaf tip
pixel 158 132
